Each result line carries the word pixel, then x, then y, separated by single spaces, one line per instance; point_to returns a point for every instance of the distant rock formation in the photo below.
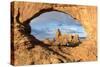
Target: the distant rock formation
pixel 65 39
pixel 58 34
pixel 73 40
pixel 60 39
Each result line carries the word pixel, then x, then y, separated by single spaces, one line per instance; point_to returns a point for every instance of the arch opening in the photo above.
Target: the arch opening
pixel 46 25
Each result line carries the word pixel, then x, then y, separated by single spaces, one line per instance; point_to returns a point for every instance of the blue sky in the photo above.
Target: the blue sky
pixel 46 25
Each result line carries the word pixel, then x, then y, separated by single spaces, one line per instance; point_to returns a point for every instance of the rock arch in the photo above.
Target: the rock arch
pixel 29 11
pixel 20 41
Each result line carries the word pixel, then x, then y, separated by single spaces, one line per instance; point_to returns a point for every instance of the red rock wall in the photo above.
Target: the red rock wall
pixel 86 15
pixel 21 15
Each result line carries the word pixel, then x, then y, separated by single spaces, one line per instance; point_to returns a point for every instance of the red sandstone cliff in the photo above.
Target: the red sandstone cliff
pixel 26 49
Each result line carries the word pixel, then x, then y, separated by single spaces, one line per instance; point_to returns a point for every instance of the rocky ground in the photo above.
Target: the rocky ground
pixel 26 49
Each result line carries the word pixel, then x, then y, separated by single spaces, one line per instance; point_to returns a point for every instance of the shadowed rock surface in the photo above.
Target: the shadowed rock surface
pixel 26 49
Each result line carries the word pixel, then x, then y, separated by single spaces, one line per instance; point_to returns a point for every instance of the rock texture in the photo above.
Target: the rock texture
pixel 26 49
pixel 65 39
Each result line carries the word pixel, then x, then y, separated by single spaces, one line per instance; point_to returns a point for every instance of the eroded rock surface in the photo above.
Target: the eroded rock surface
pixel 26 49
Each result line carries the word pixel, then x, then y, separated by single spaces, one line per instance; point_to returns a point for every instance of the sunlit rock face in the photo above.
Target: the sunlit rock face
pixel 46 25
pixel 21 51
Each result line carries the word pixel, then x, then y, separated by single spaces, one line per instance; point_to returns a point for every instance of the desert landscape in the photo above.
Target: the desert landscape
pixel 26 49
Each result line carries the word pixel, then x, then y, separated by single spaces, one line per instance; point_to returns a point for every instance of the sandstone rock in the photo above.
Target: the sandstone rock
pixel 58 34
pixel 69 38
pixel 58 37
pixel 24 12
pixel 47 41
pixel 64 39
pixel 75 39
